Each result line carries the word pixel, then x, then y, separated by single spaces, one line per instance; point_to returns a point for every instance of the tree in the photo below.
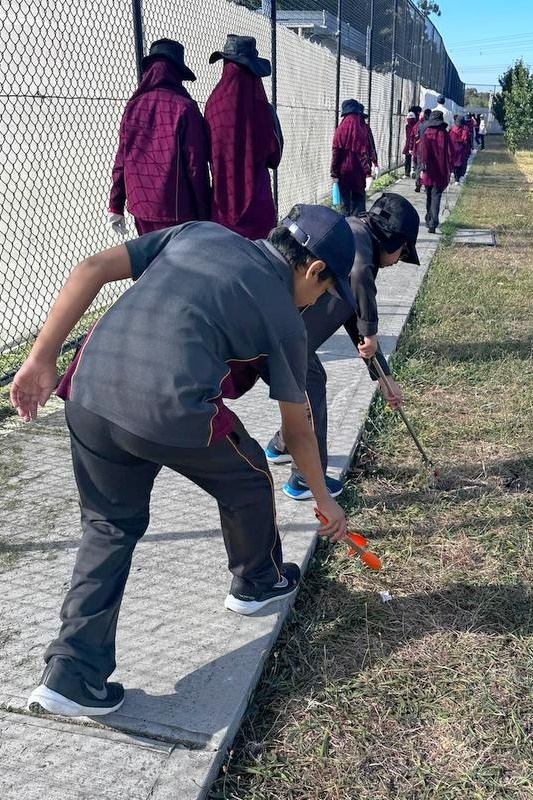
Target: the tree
pixel 476 99
pixel 518 106
pixel 428 7
pixel 513 106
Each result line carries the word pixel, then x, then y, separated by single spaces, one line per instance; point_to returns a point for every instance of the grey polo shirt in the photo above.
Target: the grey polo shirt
pixel 208 314
pixel 330 313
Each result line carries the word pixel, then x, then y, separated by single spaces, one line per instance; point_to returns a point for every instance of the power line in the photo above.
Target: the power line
pixel 493 47
pixel 490 39
pixel 523 48
pixel 483 66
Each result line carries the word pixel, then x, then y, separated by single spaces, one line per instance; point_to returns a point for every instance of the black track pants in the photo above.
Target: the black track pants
pixel 115 472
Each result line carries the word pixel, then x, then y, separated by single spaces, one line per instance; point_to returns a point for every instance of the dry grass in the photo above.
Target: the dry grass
pixel 430 695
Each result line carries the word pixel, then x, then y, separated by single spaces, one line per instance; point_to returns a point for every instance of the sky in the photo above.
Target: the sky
pixel 485 37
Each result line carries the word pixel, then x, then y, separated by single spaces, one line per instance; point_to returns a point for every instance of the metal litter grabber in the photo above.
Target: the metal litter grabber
pixel 379 369
pixel 446 202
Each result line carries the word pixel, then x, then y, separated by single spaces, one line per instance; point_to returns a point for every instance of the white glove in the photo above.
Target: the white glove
pixel 118 223
pixel 368 182
pixel 375 170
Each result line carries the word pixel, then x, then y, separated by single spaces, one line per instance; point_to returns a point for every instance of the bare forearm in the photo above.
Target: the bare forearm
pixel 77 294
pixel 73 300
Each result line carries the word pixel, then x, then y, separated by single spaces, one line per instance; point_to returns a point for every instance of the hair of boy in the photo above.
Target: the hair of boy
pixel 292 251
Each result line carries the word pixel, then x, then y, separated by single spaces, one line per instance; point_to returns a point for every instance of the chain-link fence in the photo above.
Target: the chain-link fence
pixel 67 71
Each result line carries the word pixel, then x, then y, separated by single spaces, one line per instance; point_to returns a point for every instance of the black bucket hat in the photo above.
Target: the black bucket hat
pixel 436 118
pixel 172 51
pixel 243 50
pixel 352 106
pixel 394 220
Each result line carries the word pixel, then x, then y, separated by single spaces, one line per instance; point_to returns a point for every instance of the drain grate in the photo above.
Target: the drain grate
pixel 475 236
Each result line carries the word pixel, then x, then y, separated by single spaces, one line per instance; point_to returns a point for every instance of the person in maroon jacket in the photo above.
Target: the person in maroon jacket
pixel 410 126
pixel 161 167
pixel 472 127
pixel 245 141
pixel 351 158
pixel 460 140
pixel 418 130
pixel 435 156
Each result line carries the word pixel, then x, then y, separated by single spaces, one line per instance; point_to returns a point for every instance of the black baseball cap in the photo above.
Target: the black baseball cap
pixel 393 219
pixel 326 235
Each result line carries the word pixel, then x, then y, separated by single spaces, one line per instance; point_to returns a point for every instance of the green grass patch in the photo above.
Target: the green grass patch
pixel 426 697
pixel 383 181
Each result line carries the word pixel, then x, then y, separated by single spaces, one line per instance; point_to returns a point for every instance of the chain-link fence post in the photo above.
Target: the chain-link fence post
pixel 338 70
pixel 369 34
pixel 138 36
pixel 269 9
pixel 392 81
pixel 420 55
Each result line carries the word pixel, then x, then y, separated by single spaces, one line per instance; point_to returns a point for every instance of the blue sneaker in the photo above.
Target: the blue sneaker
pixel 276 456
pixel 297 489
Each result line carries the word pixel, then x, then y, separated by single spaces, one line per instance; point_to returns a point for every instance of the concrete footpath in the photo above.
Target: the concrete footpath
pixel 188 665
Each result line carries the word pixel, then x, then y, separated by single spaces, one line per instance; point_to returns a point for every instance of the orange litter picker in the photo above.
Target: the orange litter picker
pixel 358 544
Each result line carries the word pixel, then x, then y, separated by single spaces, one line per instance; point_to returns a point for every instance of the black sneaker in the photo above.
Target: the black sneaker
pixel 64 691
pixel 244 600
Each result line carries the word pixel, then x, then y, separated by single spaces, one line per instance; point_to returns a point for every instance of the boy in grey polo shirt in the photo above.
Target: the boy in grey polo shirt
pixel 386 234
pixel 209 312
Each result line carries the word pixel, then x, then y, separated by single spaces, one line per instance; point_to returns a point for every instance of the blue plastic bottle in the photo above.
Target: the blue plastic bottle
pixel 335 194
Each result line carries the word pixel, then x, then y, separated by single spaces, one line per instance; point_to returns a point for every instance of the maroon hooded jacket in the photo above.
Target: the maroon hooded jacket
pixel 161 166
pixel 410 130
pixel 435 156
pixel 244 145
pixel 351 158
pixel 460 139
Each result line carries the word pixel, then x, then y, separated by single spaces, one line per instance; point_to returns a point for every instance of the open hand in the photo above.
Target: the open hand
pixel 32 386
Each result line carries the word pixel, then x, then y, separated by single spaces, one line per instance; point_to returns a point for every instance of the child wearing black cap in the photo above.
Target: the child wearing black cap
pixel 211 312
pixel 382 237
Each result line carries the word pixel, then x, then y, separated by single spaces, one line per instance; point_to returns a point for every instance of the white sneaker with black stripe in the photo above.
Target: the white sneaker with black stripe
pixel 243 599
pixel 63 690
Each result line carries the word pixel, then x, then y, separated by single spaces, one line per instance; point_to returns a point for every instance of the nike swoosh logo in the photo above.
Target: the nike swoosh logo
pixel 100 694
